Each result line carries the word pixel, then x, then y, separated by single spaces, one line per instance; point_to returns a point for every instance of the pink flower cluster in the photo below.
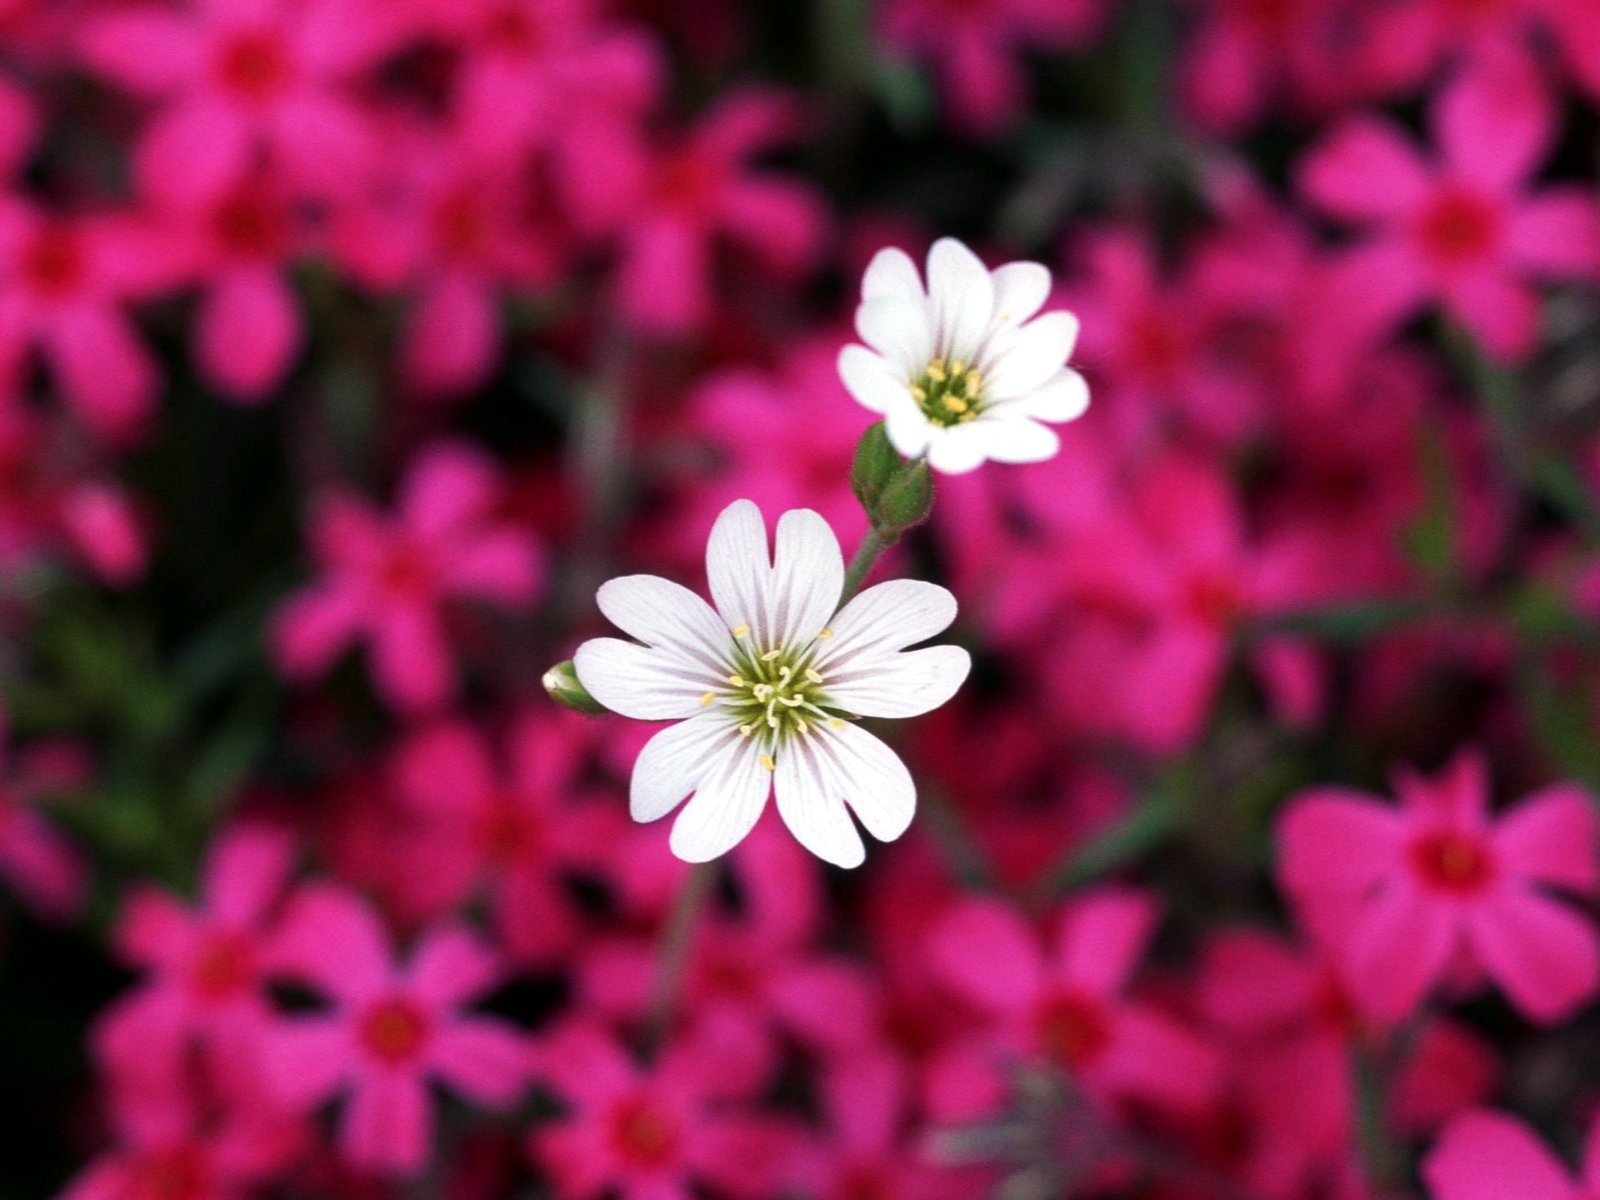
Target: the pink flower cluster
pixel 444 311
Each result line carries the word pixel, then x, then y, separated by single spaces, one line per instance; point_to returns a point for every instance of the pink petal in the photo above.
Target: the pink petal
pixel 503 566
pixel 305 1059
pixel 1552 837
pixel 246 872
pixel 1337 839
pixel 450 966
pixel 483 1059
pixel 108 374
pixel 663 283
pixel 827 1004
pixel 312 628
pixel 1556 234
pixel 1487 1156
pixel 1155 1058
pixel 450 485
pixel 1400 948
pixel 1543 954
pixel 780 221
pixel 987 952
pixel 1495 123
pixel 411 665
pixel 330 938
pixel 1501 313
pixel 446 771
pixel 247 333
pixel 452 336
pixel 191 153
pixel 153 928
pixel 325 142
pixel 42 866
pixel 1102 937
pixel 147 50
pixel 388 1124
pixel 1367 170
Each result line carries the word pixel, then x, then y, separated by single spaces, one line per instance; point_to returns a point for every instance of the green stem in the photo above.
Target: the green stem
pixel 867 554
pixel 672 959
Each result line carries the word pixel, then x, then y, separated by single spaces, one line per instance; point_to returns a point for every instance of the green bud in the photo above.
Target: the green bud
pixel 876 463
pixel 561 681
pixel 905 501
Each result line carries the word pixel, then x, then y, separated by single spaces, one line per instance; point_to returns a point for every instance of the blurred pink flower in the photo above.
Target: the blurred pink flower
pixel 651 1134
pixel 1068 1005
pixel 37 860
pixel 1413 892
pixel 391 1029
pixel 1489 1156
pixel 1248 58
pixel 19 127
pixel 1466 229
pixel 231 77
pixel 100 523
pixel 386 578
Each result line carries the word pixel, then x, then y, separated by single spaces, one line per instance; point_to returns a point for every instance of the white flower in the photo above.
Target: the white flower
pixel 765 688
pixel 963 370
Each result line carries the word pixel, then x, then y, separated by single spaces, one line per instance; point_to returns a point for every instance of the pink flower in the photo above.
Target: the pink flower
pixel 231 77
pixel 1247 55
pixel 978 46
pixel 19 126
pixel 100 524
pixel 650 1135
pixel 385 579
pixel 390 1029
pixel 1464 229
pixel 205 964
pixel 1489 1156
pixel 1413 892
pixel 37 860
pixel 64 282
pixel 1068 1005
pixel 504 823
pixel 673 205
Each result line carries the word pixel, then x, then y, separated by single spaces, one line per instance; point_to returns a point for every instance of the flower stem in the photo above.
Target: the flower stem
pixel 866 556
pixel 672 959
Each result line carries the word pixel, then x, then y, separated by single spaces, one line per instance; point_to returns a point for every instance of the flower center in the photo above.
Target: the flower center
pixel 775 693
pixel 643 1134
pixel 1452 862
pixel 223 967
pixel 949 393
pixel 1458 229
pixel 252 225
pixel 178 1173
pixel 54 264
pixel 1072 1029
pixel 394 1031
pixel 254 66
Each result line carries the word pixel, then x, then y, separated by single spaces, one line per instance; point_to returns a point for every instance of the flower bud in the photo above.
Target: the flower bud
pixel 906 500
pixel 561 681
pixel 876 463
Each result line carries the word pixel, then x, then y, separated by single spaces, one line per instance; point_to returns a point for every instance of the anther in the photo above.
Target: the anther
pixel 826 633
pixel 770 655
pixel 835 723
pixel 741 631
pixel 766 761
pixel 736 680
pixel 708 698
pixel 814 675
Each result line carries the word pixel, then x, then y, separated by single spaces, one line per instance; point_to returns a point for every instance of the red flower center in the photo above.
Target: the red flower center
pixel 461 225
pixel 1458 229
pixel 509 832
pixel 394 1031
pixel 1270 16
pixel 1155 348
pixel 405 571
pixel 53 263
pixel 729 973
pixel 254 66
pixel 1072 1029
pixel 177 1173
pixel 514 29
pixel 1452 862
pixel 687 182
pixel 863 1181
pixel 252 225
pixel 643 1134
pixel 1215 599
pixel 225 966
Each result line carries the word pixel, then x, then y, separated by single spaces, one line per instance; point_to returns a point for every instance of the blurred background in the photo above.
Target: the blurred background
pixel 346 346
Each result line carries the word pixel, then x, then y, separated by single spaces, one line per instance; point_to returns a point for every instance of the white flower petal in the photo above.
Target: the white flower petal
pixel 807 577
pixel 648 685
pixel 668 617
pixel 812 806
pixel 892 273
pixel 961 294
pixel 958 449
pixel 903 685
pixel 1020 290
pixel 907 429
pixel 725 807
pixel 738 568
pixel 1017 439
pixel 1038 351
pixel 899 330
pixel 675 761
pixel 884 619
pixel 1063 397
pixel 874 781
pixel 869 378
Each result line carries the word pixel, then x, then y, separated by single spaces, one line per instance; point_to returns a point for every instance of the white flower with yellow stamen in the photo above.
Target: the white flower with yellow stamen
pixel 766 686
pixel 964 369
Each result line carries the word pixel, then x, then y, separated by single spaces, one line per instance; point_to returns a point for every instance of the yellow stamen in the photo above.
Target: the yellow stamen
pixel 770 655
pixel 826 633
pixel 736 681
pixel 741 631
pixel 920 395
pixel 955 404
pixel 936 371
pixel 708 698
pixel 814 675
pixel 835 723
pixel 766 761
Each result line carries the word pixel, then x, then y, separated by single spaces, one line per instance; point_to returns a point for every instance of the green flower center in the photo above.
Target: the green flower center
pixel 949 393
pixel 776 694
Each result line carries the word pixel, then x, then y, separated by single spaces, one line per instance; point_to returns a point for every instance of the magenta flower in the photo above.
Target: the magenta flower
pixel 1068 1006
pixel 1464 229
pixel 231 77
pixel 37 860
pixel 390 1029
pixel 651 1135
pixel 386 579
pixel 64 282
pixel 1247 55
pixel 205 964
pixel 1489 1156
pixel 1414 892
